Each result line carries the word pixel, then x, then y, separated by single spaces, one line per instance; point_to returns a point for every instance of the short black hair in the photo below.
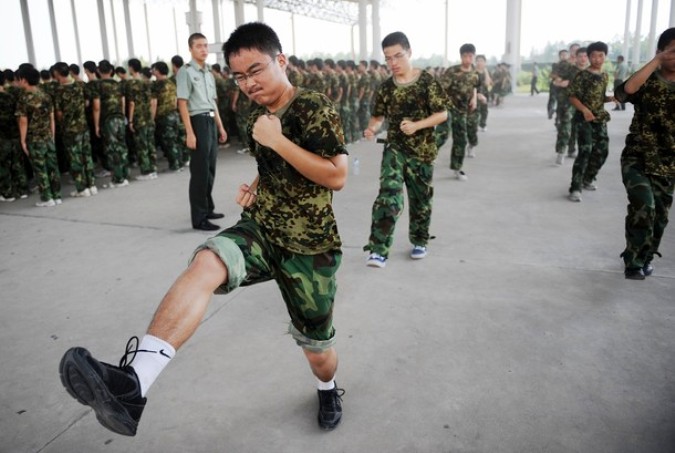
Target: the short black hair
pixel 75 69
pixel 581 50
pixel 467 48
pixel 666 38
pixel 193 37
pixel 9 75
pixel 120 70
pixel 177 61
pixel 105 67
pixel 397 37
pixel 597 46
pixel 252 36
pixel 135 64
pixel 161 67
pixel 216 67
pixel 45 75
pixel 62 69
pixel 29 74
pixel 146 72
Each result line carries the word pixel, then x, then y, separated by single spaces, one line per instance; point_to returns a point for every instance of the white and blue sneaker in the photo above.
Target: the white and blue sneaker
pixel 418 252
pixel 376 260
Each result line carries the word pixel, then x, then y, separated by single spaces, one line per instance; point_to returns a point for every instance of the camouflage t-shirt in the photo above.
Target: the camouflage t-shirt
pixel 295 213
pixel 165 93
pixel 138 92
pixel 363 83
pixel 69 100
pixel 414 101
pixel 9 130
pixel 589 88
pixel 460 85
pixel 110 94
pixel 566 71
pixel 37 107
pixel 652 131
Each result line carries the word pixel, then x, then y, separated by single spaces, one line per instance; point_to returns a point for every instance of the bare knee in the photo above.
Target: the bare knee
pixel 207 269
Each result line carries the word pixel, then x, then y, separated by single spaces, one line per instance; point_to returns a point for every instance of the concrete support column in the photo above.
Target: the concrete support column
pixel 28 32
pixel 446 35
pixel 147 30
pixel 363 29
pixel 55 33
pixel 377 35
pixel 193 18
pixel 114 24
pixel 175 31
pixel 261 10
pixel 512 51
pixel 652 29
pixel 104 30
pixel 293 51
pixel 127 26
pixel 238 12
pixel 215 5
pixel 626 33
pixel 635 65
pixel 672 14
pixel 77 33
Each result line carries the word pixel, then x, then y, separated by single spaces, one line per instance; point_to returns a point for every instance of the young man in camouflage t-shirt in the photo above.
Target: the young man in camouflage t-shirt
pixel 413 103
pixel 587 95
pixel 648 160
pixel 287 233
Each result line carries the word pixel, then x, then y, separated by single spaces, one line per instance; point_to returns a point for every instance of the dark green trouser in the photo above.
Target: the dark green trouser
pixel 43 157
pixel 13 179
pixel 113 135
pixel 167 137
pixel 364 115
pixel 472 127
pixel 144 143
pixel 593 149
pixel 345 117
pixel 399 169
pixel 442 132
pixel 203 167
pixel 482 114
pixel 649 200
pixel 564 126
pixel 459 139
pixel 78 147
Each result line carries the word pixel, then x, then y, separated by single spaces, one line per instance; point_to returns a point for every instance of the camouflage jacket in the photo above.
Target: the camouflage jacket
pixel 138 92
pixel 165 93
pixel 459 86
pixel 590 88
pixel 295 213
pixel 69 100
pixel 296 78
pixel 37 107
pixel 652 131
pixel 9 130
pixel 110 94
pixel 415 101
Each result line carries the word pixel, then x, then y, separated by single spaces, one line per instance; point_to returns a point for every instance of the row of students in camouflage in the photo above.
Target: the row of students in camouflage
pixel 13 162
pixel 648 159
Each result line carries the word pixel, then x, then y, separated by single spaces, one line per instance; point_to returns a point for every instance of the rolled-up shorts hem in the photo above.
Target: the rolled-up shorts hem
pixel 304 342
pixel 231 256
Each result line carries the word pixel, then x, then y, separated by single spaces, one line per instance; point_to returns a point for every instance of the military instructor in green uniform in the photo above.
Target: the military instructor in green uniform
pixel 197 105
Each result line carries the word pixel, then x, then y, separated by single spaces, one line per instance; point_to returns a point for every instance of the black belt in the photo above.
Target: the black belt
pixel 210 113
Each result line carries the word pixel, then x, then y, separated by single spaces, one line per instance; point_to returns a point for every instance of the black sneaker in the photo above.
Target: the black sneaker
pixel 113 392
pixel 648 269
pixel 634 274
pixel 330 408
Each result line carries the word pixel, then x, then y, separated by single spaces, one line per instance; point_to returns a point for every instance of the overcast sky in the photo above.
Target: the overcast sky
pixel 482 22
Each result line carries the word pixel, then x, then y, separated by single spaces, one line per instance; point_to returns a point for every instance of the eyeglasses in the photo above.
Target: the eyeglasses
pixel 241 79
pixel 395 57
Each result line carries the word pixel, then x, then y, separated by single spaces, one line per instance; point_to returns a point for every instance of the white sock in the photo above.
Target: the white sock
pixel 330 385
pixel 153 355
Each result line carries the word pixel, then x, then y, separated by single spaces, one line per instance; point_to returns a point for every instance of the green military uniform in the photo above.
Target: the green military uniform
pixel 564 111
pixel 37 107
pixel 353 103
pixel 407 160
pixel 167 121
pixel 90 90
pixel 183 150
pixel 112 127
pixel 459 86
pixel 290 234
pixel 344 106
pixel 143 133
pixel 590 88
pixel 13 179
pixel 364 89
pixel 50 88
pixel 482 107
pixel 69 100
pixel 648 168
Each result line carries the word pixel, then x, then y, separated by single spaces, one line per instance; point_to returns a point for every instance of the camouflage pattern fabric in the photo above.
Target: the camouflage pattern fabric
pixel 112 132
pixel 43 158
pixel 167 138
pixel 652 131
pixel 110 94
pixel 144 144
pixel 566 71
pixel 590 89
pixel 593 150
pixel 459 85
pixel 472 128
pixel 8 126
pixel 307 282
pixel 13 179
pixel 296 213
pixel 296 78
pixel 37 107
pixel 139 92
pixel 78 147
pixel 70 100
pixel 415 101
pixel 399 169
pixel 649 200
pixel 165 93
pixel 460 139
pixel 564 114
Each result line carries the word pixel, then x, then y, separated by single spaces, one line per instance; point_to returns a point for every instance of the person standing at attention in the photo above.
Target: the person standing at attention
pixel 197 105
pixel 413 102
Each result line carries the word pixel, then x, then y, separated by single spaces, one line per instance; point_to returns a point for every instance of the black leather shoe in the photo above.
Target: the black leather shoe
pixel 206 226
pixel 215 215
pixel 634 274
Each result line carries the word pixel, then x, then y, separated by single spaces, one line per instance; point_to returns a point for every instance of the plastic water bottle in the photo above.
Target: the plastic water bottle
pixel 355 166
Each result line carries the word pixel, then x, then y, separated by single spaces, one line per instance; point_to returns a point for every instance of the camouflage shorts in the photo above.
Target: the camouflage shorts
pixel 307 282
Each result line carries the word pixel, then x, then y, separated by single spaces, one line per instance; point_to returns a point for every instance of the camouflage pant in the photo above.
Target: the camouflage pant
pixel 399 169
pixel 13 179
pixel 363 115
pixel 144 143
pixel 482 114
pixel 649 200
pixel 357 132
pixel 307 282
pixel 345 116
pixel 78 147
pixel 593 150
pixel 472 128
pixel 459 140
pixel 442 132
pixel 183 150
pixel 43 157
pixel 167 137
pixel 115 147
pixel 564 126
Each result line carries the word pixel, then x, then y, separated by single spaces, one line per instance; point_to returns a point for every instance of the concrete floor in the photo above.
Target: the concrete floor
pixel 518 333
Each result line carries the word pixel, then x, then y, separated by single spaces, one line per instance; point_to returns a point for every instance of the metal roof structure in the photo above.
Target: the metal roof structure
pixel 338 11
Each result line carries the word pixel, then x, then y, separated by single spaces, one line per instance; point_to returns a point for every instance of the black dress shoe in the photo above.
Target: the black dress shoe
pixel 206 226
pixel 215 215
